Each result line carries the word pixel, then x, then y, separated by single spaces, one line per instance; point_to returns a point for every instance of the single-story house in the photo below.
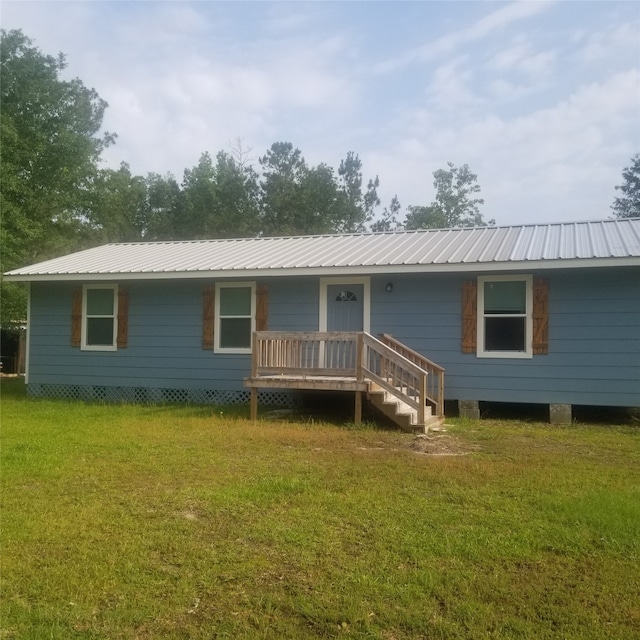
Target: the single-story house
pixel 540 313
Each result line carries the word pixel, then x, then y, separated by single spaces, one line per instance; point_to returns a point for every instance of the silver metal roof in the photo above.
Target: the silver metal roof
pixel 573 244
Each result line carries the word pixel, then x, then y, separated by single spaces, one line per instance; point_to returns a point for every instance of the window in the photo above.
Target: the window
pixel 504 317
pixel 99 317
pixel 346 296
pixel 235 317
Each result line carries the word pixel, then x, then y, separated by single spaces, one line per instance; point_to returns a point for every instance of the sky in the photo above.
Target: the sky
pixel 541 99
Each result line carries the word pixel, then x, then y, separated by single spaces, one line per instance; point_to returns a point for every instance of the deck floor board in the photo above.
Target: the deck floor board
pixel 329 383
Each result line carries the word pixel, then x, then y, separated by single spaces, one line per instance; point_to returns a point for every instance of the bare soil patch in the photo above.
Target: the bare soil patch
pixel 439 443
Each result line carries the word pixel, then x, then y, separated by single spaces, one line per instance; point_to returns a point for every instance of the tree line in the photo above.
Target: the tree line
pixel 55 197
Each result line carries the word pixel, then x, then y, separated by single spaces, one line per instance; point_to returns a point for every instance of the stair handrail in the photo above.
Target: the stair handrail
pixel 435 370
pixel 408 384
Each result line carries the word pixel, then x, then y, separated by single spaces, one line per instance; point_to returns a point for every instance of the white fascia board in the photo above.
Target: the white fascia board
pixel 471 268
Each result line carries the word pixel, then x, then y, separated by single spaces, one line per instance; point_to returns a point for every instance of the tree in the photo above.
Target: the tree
pixel 389 220
pixel 454 205
pixel 217 200
pixel 163 195
pixel 628 206
pixel 298 199
pixel 50 146
pixel 359 207
pixel 196 201
pixel 236 210
pixel 119 211
pixel 283 172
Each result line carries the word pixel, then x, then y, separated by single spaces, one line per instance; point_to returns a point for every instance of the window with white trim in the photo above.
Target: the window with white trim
pixel 234 317
pixel 505 316
pixel 99 317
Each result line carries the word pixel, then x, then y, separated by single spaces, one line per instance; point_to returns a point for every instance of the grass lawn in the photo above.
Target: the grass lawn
pixel 191 522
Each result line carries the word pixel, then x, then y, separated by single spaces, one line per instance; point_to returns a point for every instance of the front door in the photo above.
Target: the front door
pixel 345 307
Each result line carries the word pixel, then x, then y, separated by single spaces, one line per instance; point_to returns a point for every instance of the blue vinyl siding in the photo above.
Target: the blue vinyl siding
pixel 293 304
pixel 594 337
pixel 164 340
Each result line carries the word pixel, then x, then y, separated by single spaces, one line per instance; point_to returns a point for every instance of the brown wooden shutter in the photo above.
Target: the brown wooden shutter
pixel 469 316
pixel 208 311
pixel 540 316
pixel 123 318
pixel 262 307
pixel 76 317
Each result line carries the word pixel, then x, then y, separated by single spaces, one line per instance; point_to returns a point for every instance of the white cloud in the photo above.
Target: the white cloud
pixel 613 41
pixel 502 91
pixel 552 153
pixel 166 118
pixel 450 42
pixel 289 18
pixel 450 86
pixel 520 57
pixel 497 20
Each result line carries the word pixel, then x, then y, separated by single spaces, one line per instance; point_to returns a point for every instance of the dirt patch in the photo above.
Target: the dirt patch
pixel 435 443
pixel 438 444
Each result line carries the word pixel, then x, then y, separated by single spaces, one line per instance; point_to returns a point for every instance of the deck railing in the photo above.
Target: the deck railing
pixel 397 369
pixel 310 353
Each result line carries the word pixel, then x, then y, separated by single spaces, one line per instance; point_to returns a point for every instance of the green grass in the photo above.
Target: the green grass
pixel 192 522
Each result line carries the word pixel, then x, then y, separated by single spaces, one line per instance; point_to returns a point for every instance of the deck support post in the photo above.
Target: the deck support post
pixel 422 396
pixel 358 412
pixel 253 411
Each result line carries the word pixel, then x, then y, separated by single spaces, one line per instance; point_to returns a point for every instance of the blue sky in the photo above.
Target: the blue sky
pixel 541 99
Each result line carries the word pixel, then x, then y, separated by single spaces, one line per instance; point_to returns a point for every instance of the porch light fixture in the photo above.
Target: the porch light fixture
pixel 389 287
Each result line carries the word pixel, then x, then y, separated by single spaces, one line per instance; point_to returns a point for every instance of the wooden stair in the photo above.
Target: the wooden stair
pixel 400 412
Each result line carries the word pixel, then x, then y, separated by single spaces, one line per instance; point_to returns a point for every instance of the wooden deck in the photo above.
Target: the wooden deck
pixel 348 361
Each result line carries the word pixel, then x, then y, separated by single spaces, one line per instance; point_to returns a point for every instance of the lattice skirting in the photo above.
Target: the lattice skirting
pixel 147 395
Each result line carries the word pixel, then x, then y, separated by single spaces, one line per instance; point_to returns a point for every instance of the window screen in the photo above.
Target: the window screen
pixel 505 316
pixel 100 317
pixel 235 317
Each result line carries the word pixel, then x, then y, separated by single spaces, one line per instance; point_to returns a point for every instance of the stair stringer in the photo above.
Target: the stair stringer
pixel 405 416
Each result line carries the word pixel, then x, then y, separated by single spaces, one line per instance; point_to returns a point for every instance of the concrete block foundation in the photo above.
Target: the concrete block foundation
pixel 560 414
pixel 469 409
